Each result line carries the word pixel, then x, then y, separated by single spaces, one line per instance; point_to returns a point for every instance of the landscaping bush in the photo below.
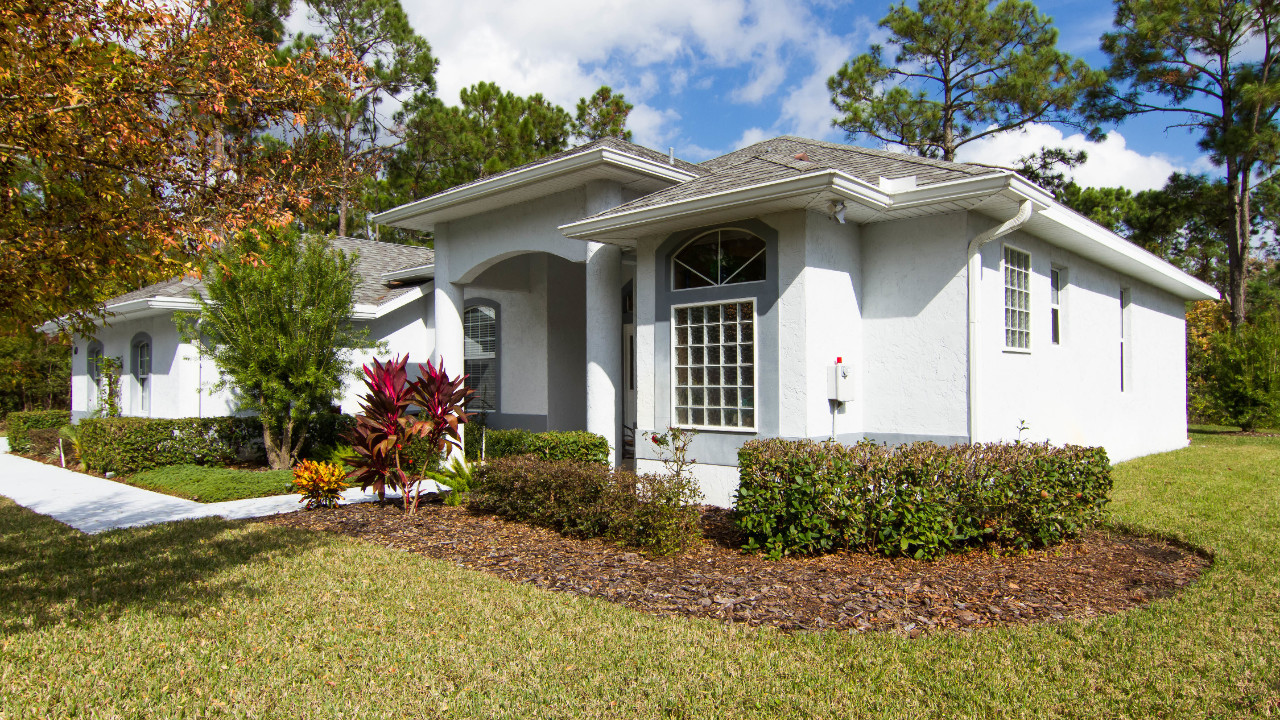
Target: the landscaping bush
pixel 586 499
pixel 320 484
pixel 125 445
pixel 43 442
pixel 575 446
pixel 1242 374
pixel 23 421
pixel 919 500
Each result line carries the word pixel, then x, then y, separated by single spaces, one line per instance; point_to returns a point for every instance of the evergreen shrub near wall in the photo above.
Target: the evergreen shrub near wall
pixel 127 444
pixel 21 422
pixel 920 500
pixel 576 446
pixel 587 499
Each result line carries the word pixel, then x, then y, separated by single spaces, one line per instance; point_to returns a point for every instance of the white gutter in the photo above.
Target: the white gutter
pixel 373 312
pixel 529 176
pixel 810 183
pixel 410 273
pixel 974 263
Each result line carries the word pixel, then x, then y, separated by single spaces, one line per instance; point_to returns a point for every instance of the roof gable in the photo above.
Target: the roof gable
pixel 374 260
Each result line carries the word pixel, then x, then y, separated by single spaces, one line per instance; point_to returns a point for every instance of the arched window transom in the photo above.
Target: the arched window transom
pixel 719 257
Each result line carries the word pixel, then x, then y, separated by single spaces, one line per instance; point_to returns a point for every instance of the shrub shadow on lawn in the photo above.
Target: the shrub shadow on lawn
pixel 52 573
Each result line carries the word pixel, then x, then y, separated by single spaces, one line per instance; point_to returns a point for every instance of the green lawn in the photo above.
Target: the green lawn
pixel 209 619
pixel 212 484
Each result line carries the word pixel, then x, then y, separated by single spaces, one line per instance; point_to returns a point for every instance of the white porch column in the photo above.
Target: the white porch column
pixel 604 343
pixel 447 312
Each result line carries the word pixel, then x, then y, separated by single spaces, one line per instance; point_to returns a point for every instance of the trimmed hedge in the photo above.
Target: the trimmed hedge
pixel 126 445
pixel 22 421
pixel 919 500
pixel 575 446
pixel 653 513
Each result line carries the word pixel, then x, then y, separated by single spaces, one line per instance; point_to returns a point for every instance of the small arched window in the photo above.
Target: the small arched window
pixel 480 356
pixel 719 257
pixel 140 366
pixel 93 361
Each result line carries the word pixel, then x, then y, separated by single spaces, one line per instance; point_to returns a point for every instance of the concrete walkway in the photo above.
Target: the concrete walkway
pixel 91 504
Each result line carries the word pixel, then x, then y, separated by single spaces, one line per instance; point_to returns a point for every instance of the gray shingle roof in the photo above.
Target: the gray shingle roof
pixel 610 142
pixel 375 258
pixel 776 160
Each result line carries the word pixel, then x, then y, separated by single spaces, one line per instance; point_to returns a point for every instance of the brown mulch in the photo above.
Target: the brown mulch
pixel 1098 574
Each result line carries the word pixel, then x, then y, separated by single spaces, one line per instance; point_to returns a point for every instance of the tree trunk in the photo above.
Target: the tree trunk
pixel 279 449
pixel 1238 243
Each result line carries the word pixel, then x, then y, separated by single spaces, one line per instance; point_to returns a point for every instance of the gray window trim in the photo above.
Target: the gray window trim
pixel 497 353
pixel 718 446
pixel 93 367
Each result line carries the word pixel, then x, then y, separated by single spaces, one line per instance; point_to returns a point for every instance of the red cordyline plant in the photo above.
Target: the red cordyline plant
pixel 385 428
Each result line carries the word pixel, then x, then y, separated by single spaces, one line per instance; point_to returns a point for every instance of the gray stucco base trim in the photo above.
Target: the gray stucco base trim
pixel 722 448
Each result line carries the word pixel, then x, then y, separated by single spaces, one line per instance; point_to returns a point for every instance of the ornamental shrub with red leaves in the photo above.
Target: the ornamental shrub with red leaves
pixel 384 429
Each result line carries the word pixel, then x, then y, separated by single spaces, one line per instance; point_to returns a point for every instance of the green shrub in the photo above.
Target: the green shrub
pixel 43 442
pixel 125 445
pixel 586 499
pixel 22 421
pixel 1242 374
pixel 128 444
pixel 576 446
pixel 919 500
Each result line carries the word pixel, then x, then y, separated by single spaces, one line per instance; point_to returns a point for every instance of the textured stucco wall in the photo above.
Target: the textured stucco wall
pixel 182 381
pixel 406 332
pixel 914 317
pixel 1070 392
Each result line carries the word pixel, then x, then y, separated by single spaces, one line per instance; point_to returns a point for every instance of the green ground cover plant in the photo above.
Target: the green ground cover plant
pixel 212 484
pixel 209 618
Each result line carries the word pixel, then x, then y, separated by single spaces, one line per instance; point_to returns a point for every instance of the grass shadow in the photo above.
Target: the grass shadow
pixel 53 574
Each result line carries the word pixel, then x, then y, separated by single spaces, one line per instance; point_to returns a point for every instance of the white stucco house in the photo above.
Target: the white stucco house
pixel 620 290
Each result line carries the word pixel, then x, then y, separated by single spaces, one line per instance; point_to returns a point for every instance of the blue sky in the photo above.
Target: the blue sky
pixel 709 76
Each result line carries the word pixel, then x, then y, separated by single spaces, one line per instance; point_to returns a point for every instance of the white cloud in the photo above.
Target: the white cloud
pixel 751 136
pixel 1111 162
pixel 652 127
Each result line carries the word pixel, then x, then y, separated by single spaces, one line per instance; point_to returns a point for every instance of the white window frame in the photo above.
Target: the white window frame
pixel 755 367
pixel 1057 304
pixel 1027 311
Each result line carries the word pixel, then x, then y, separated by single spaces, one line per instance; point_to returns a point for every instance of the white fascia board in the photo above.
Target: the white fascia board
pixel 538 173
pixel 814 182
pixel 373 312
pixel 1131 259
pixel 410 273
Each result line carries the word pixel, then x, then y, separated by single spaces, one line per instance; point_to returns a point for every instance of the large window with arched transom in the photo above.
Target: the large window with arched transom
pixel 727 256
pixel 480 356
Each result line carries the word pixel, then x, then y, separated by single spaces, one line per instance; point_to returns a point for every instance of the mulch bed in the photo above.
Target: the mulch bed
pixel 1098 574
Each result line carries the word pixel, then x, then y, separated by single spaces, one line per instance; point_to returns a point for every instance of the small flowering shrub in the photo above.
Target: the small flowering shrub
pixel 320 483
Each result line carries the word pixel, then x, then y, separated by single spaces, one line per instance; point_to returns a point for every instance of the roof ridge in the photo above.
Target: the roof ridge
pixel 899 156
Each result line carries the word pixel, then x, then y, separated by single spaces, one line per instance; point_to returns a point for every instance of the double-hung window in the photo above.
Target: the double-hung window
pixel 715 365
pixel 1017 299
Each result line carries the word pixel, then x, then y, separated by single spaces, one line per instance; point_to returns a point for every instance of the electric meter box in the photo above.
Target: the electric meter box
pixel 839 383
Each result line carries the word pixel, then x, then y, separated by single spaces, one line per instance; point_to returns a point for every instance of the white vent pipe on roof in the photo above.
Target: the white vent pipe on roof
pixel 974 263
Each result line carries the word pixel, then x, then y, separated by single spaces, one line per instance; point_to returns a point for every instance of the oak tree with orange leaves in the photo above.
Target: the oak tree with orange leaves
pixel 124 150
